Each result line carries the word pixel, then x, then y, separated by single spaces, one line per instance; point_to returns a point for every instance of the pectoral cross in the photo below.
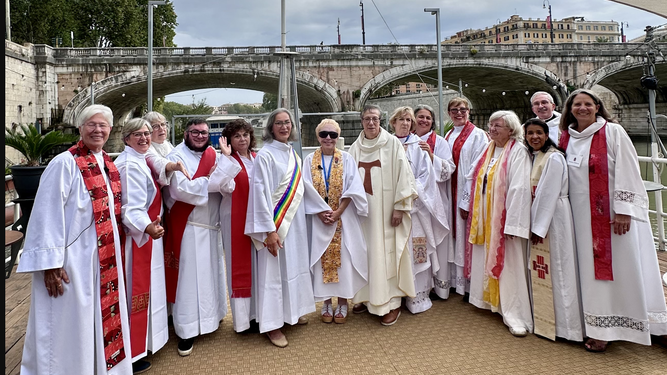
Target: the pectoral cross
pixel 368 185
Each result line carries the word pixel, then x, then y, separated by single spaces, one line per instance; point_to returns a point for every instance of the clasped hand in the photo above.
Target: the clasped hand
pixel 329 217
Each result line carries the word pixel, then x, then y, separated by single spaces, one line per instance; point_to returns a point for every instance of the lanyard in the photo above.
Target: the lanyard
pixel 327 173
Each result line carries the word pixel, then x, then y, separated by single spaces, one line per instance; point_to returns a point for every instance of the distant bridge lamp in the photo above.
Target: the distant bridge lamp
pixel 551 20
pixel 436 13
pixel 150 50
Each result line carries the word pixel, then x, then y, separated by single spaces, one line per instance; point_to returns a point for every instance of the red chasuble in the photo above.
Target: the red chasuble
pixel 241 262
pixel 114 350
pixel 598 182
pixel 177 219
pixel 141 282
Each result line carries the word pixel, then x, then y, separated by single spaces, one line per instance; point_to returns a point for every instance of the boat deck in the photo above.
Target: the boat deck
pixel 451 337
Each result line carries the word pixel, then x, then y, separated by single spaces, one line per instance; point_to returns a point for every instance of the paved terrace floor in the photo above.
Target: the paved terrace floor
pixel 453 337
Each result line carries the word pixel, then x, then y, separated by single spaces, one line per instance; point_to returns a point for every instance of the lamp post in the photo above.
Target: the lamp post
pixel 150 50
pixel 623 35
pixel 498 30
pixel 436 12
pixel 363 32
pixel 551 20
pixel 338 30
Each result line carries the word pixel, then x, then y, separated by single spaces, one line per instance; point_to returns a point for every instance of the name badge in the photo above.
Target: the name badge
pixel 574 160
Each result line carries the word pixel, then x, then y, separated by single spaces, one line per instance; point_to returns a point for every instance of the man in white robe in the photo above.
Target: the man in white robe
pixel 65 324
pixel 631 307
pixel 390 190
pixel 201 296
pixel 543 106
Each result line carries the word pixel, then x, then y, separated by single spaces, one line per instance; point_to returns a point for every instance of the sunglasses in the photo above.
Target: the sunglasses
pixel 324 134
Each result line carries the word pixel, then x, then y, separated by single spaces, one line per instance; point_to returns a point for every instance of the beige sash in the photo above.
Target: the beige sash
pixel 540 266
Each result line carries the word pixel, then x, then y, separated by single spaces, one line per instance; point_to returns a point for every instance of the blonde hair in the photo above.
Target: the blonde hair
pixel 327 121
pixel 400 112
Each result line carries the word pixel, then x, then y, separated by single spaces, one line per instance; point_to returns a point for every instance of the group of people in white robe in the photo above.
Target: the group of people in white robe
pixel 539 230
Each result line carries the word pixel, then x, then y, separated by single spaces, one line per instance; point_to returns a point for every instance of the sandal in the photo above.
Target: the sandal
pixel 340 310
pixel 596 346
pixel 327 309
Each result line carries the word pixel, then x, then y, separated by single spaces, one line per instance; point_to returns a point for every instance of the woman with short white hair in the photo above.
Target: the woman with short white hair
pixel 499 187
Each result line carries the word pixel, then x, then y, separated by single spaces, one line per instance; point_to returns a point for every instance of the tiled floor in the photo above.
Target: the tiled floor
pixel 453 337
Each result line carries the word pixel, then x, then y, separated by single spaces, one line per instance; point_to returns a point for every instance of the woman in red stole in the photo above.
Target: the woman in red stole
pixel 621 292
pixel 240 254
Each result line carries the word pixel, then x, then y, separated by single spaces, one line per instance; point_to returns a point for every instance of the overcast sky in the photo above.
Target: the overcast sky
pixel 210 23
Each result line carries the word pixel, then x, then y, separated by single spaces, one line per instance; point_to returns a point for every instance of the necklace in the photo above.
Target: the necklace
pixel 327 173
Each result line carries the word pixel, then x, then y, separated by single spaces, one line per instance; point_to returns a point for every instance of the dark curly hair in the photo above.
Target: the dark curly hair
pixel 234 127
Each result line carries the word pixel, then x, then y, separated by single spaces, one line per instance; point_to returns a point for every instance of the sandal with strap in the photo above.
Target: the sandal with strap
pixel 327 309
pixel 340 310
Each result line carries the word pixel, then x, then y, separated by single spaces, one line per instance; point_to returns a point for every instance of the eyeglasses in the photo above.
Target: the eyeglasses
pixel 285 123
pixel 324 134
pixel 196 133
pixel 93 125
pixel 158 126
pixel 371 119
pixel 458 110
pixel 138 135
pixel 498 126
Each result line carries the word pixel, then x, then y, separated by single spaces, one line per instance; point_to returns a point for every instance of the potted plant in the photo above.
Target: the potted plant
pixel 34 146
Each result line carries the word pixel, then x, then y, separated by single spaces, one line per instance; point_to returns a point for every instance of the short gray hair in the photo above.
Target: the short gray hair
pixel 511 121
pixel 92 110
pixel 154 116
pixel 134 125
pixel 371 107
pixel 268 129
pixel 551 98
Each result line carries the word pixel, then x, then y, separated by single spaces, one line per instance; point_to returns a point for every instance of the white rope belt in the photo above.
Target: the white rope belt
pixel 205 226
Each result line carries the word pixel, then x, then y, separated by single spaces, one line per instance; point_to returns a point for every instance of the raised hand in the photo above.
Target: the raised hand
pixel 224 147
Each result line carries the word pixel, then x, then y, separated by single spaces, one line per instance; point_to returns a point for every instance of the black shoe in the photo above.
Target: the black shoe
pixel 140 366
pixel 170 321
pixel 185 347
pixel 466 297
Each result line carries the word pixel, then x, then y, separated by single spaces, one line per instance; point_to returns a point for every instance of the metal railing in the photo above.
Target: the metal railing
pixel 622 49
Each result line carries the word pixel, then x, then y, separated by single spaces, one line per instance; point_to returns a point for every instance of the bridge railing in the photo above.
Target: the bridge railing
pixel 562 48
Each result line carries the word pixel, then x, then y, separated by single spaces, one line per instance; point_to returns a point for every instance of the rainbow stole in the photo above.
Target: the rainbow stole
pixel 287 197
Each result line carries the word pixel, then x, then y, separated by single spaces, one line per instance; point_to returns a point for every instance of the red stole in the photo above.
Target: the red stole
pixel 114 349
pixel 241 262
pixel 431 141
pixel 141 282
pixel 598 182
pixel 456 155
pixel 177 219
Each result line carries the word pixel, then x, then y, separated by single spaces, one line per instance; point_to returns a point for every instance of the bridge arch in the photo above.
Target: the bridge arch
pixel 125 91
pixel 622 78
pixel 494 85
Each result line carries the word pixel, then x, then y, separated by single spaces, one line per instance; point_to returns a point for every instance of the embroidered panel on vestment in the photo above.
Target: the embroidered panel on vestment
pixel 616 321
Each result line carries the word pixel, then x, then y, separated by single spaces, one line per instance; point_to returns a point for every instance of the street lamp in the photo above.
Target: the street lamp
pixel 150 50
pixel 436 12
pixel 551 21
pixel 623 35
pixel 363 32
pixel 498 30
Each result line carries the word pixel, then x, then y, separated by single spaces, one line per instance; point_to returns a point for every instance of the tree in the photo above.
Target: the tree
pixel 171 109
pixel 269 102
pixel 100 23
pixel 238 108
pixel 601 39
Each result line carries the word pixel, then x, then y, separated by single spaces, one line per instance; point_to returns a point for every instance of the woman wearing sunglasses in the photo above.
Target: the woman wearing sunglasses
pixel 338 258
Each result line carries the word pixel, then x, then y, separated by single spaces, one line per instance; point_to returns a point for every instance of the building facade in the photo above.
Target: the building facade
pixel 517 30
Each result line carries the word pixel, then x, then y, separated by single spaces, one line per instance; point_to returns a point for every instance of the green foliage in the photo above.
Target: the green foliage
pixel 473 51
pixel 602 39
pixel 269 102
pixel 28 141
pixel 238 108
pixel 447 126
pixel 171 109
pixel 100 23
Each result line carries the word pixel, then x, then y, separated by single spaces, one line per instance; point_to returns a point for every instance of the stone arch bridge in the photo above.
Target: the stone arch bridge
pixel 342 77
